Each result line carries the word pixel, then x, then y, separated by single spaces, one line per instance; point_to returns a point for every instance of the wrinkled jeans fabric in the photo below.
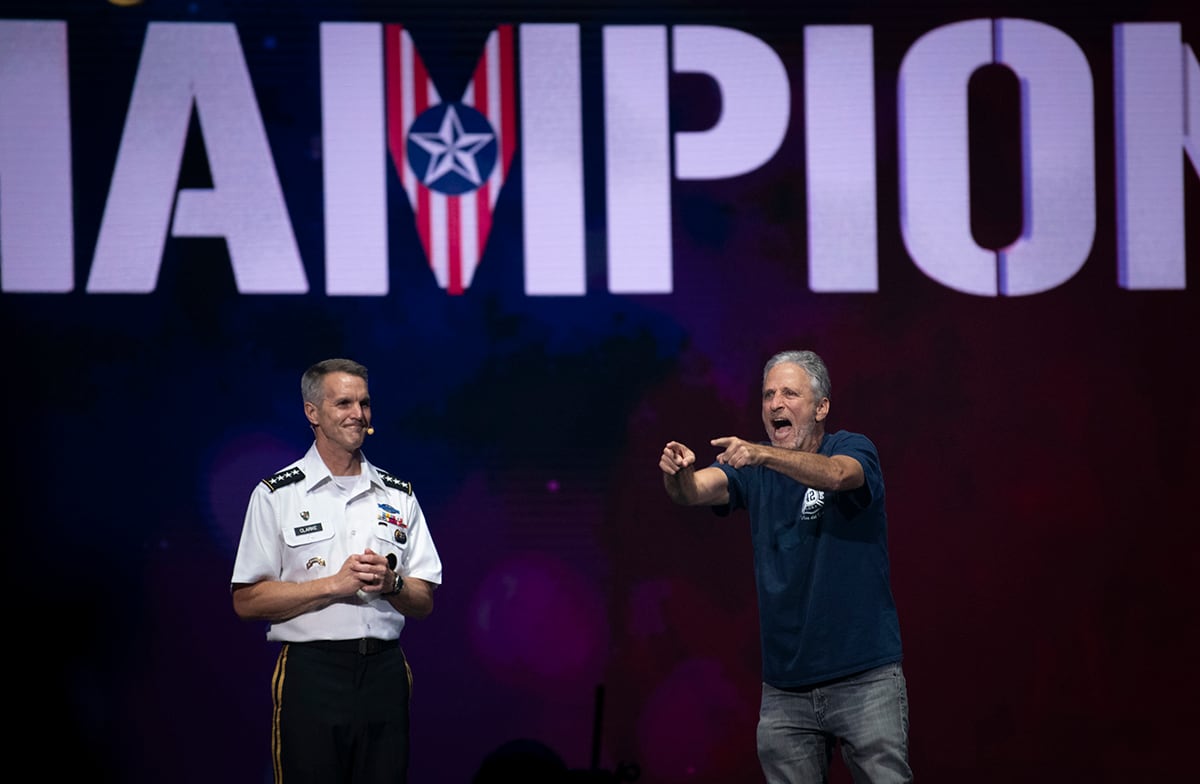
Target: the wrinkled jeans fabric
pixel 866 712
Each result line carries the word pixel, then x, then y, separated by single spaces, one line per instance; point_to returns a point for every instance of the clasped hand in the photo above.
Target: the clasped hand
pixel 363 572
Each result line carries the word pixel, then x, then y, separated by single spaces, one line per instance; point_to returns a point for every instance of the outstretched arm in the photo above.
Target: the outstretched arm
pixel 685 485
pixel 839 472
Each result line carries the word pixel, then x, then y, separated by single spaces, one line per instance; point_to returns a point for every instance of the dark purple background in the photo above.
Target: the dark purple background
pixel 1039 453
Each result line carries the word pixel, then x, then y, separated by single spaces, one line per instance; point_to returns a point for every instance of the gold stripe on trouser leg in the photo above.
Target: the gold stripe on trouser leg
pixel 277 699
pixel 409 671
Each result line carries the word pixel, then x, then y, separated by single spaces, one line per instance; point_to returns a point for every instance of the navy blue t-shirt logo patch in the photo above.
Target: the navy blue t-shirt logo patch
pixel 814 504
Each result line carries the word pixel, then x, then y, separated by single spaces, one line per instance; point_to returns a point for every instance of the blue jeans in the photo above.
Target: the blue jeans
pixel 867 713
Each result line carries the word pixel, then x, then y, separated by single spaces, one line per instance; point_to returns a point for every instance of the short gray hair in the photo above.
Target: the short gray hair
pixel 810 362
pixel 312 388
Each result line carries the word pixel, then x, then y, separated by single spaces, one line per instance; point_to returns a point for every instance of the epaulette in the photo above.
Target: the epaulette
pixel 393 482
pixel 285 477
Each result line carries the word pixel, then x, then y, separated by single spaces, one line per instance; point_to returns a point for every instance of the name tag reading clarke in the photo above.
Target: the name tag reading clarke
pixel 308 529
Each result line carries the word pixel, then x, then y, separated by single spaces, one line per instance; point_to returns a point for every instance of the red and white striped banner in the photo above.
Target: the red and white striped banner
pixel 453 229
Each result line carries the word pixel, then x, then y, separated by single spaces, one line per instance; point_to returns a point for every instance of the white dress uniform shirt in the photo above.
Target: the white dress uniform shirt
pixel 300 528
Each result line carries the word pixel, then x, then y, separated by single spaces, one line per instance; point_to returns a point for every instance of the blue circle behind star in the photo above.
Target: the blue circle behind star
pixel 451 148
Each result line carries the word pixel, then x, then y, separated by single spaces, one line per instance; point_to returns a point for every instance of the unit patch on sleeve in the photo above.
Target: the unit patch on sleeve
pixel 285 477
pixel 397 484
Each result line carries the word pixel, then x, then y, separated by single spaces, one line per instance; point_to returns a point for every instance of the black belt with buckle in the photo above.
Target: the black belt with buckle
pixel 364 646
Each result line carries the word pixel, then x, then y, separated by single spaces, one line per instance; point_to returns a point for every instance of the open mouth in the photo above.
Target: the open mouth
pixel 780 424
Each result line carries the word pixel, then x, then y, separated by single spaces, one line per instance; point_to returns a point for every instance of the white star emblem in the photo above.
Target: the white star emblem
pixel 452 150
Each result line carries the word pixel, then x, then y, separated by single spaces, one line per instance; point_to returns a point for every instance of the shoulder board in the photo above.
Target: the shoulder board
pixel 283 478
pixel 393 482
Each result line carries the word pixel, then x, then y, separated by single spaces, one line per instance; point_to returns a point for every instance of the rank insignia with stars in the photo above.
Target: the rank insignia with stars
pixel 285 477
pixel 396 484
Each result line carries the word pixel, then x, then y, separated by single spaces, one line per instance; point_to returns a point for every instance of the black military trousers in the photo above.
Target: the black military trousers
pixel 341 715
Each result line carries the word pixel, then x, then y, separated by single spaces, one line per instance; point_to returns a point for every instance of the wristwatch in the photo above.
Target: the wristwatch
pixel 396 586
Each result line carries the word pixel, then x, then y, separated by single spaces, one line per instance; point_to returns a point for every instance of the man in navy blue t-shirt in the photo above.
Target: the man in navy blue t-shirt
pixel 830 635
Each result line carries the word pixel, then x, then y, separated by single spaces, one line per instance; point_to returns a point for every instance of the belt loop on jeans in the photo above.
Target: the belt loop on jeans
pixel 363 646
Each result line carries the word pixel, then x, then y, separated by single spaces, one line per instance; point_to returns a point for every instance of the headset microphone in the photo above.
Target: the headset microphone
pixel 370 430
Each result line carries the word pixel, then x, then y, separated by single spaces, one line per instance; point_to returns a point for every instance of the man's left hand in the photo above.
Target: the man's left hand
pixel 737 452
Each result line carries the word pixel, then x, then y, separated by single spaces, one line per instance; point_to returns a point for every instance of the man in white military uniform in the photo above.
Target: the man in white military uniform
pixel 335 554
